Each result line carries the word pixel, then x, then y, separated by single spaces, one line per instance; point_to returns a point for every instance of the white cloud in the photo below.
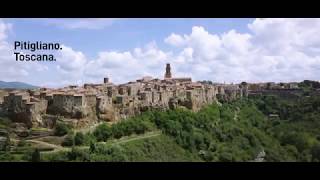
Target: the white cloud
pixel 70 67
pixel 70 60
pixel 86 23
pixel 128 66
pixel 10 69
pixel 175 40
pixel 236 43
pixel 4 28
pixel 205 45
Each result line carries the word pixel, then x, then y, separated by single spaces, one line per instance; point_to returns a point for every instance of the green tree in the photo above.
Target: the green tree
pixel 89 138
pixel 300 140
pixel 77 154
pixel 68 140
pixel 92 147
pixel 79 139
pixel 36 156
pixel 61 129
pixel 315 151
pixel 102 132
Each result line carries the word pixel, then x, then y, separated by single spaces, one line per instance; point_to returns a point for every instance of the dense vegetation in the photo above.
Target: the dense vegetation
pixel 298 126
pixel 159 148
pixel 233 131
pixel 135 125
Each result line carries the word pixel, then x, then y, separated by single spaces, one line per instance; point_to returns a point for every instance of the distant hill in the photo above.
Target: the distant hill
pixel 16 85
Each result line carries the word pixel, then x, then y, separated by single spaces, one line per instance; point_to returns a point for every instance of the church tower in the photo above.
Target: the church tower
pixel 168 75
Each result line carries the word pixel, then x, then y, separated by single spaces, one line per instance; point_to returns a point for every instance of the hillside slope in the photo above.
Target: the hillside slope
pixel 230 132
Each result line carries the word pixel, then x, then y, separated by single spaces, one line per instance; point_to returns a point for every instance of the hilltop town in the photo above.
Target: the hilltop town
pixel 109 102
pixel 86 105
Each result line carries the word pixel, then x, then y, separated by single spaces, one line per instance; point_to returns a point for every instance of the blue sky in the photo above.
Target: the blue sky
pixel 122 34
pixel 221 50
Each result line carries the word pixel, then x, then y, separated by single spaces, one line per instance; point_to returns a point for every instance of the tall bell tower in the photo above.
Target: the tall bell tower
pixel 168 75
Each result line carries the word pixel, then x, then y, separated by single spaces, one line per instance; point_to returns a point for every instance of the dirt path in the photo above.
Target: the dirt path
pixel 89 129
pixel 54 146
pixel 128 139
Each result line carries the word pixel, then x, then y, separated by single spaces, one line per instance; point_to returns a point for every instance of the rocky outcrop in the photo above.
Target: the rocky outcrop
pixel 20 129
pixel 21 107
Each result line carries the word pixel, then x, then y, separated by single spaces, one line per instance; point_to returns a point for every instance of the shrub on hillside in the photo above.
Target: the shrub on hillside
pixel 102 132
pixel 36 156
pixel 315 151
pixel 62 129
pixel 68 141
pixel 79 139
pixel 77 154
